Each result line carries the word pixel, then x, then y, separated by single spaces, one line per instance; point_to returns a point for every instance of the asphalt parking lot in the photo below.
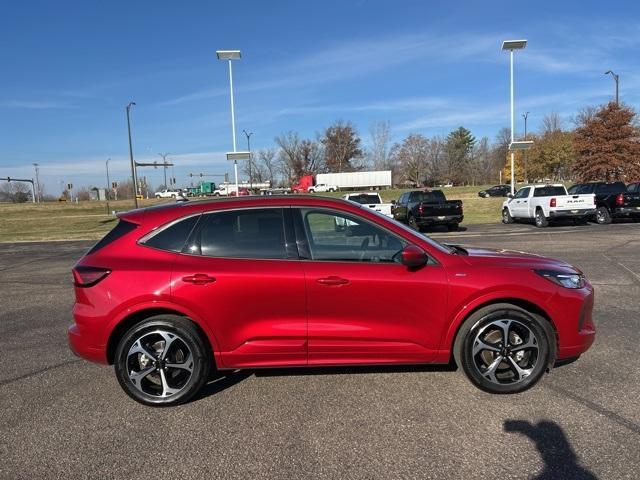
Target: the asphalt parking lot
pixel 61 417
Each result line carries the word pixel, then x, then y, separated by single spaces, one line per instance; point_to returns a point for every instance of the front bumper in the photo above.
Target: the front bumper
pixel 626 212
pixel 575 328
pixel 572 213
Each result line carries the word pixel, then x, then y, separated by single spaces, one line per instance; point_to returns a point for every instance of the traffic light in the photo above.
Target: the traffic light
pixel 69 186
pixel 114 184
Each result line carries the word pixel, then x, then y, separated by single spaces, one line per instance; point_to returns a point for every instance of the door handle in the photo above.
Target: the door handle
pixel 332 280
pixel 199 279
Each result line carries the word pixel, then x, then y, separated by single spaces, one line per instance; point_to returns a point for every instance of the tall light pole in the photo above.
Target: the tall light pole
pixel 133 165
pixel 617 80
pixel 230 55
pixel 524 163
pixel 248 134
pixel 37 189
pixel 106 192
pixel 512 45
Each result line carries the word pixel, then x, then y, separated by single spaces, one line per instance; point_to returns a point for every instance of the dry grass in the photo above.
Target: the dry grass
pixel 90 220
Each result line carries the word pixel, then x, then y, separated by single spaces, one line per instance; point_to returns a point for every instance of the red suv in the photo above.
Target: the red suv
pixel 175 291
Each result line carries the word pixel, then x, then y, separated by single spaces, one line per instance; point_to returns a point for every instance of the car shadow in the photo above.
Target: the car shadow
pixel 560 460
pixel 220 380
pixel 442 228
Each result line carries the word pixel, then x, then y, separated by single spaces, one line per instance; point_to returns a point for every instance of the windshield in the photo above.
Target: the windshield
pixel 435 244
pixel 365 198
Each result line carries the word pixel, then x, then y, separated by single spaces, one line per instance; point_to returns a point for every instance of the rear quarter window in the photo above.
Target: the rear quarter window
pixel 120 230
pixel 173 237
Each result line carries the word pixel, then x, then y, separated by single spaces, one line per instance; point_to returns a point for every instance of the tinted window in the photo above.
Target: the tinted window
pixel 608 188
pixel 174 236
pixel 435 196
pixel 253 233
pixel 549 191
pixel 365 198
pixel 121 229
pixel 522 193
pixel 581 189
pixel 338 237
pixel 633 188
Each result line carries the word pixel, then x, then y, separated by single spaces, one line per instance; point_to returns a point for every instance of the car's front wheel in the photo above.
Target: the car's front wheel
pixel 503 348
pixel 506 216
pixel 162 361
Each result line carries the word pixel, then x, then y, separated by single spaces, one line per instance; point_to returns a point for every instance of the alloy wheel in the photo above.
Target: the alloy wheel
pixel 505 352
pixel 159 363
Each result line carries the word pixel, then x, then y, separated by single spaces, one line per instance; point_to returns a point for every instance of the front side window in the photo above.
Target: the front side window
pixel 522 193
pixel 251 233
pixel 334 236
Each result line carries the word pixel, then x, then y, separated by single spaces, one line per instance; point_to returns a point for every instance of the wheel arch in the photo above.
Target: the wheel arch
pixel 135 317
pixel 525 304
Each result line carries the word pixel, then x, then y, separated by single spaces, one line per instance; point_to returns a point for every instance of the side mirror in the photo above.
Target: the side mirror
pixel 509 195
pixel 414 257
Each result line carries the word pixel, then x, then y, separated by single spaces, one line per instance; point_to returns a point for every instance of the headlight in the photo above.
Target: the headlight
pixel 567 280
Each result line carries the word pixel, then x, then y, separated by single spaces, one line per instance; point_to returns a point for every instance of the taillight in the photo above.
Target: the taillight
pixel 88 276
pixel 552 202
pixel 420 210
pixel 620 200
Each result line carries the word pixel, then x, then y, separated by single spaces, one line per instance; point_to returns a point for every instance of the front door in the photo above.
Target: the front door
pixel 363 305
pixel 238 275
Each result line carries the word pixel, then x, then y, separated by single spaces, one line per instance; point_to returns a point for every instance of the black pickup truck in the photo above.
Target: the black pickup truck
pixel 613 200
pixel 422 208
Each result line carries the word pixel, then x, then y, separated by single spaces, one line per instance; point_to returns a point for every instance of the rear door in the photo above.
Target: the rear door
pixel 363 305
pixel 400 209
pixel 240 273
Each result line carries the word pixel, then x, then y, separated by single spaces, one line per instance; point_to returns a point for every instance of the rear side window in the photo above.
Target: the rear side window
pixel 121 229
pixel 252 233
pixel 173 237
pixel 633 188
pixel 609 188
pixel 549 191
pixel 365 198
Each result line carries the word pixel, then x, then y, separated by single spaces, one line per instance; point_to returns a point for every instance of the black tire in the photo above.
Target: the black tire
pixel 311 190
pixel 504 378
pixel 506 216
pixel 168 380
pixel 332 189
pixel 603 217
pixel 541 220
pixel 411 220
pixel 452 227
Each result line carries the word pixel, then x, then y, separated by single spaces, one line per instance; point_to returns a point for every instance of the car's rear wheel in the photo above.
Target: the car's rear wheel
pixel 503 348
pixel 506 216
pixel 162 361
pixel 603 217
pixel 413 223
pixel 541 220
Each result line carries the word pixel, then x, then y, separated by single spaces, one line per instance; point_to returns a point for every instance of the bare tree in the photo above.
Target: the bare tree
pixel 15 192
pixel 584 115
pixel 412 156
pixel 551 122
pixel 378 154
pixel 298 157
pixel 266 160
pixel 341 145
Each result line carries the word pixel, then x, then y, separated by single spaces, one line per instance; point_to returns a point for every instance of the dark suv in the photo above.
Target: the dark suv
pixel 495 191
pixel 613 200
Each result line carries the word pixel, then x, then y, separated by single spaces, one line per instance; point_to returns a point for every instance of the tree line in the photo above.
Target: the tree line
pixel 603 143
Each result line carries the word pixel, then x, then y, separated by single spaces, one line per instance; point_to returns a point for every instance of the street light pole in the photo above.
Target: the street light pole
pixel 230 55
pixel 248 134
pixel 512 45
pixel 524 163
pixel 616 78
pixel 108 184
pixel 133 165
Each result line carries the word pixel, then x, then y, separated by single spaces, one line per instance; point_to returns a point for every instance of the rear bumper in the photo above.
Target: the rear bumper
pixel 439 220
pixel 82 347
pixel 626 211
pixel 572 213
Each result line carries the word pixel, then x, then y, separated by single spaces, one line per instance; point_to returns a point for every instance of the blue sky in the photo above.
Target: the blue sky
pixel 69 69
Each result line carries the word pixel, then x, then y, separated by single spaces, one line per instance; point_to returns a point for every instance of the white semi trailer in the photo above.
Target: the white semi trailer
pixel 356 180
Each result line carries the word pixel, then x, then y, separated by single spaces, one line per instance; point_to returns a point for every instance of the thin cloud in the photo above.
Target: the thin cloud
pixel 36 105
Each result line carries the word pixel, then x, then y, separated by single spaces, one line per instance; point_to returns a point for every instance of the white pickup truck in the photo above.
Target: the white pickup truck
pixel 322 188
pixel 545 203
pixel 166 193
pixel 371 200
